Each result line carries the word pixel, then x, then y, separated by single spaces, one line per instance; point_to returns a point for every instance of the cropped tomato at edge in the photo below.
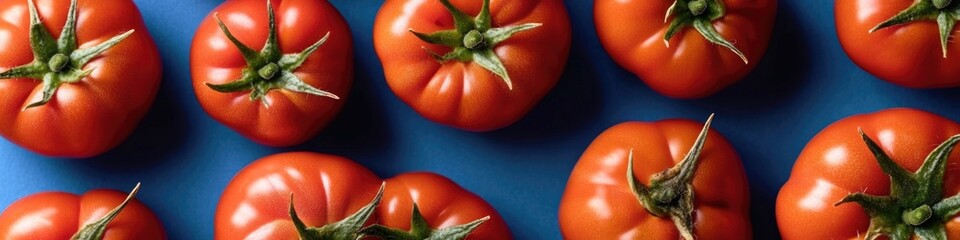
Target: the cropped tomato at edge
pixel 485 75
pixel 59 215
pixel 600 203
pixel 686 65
pixel 81 89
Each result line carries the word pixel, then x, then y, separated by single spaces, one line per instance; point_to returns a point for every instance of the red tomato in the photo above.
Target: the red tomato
pixel 908 54
pixel 325 190
pixel 449 209
pixel 58 215
pixel 697 61
pixel 600 202
pixel 838 162
pixel 484 76
pixel 62 101
pixel 286 93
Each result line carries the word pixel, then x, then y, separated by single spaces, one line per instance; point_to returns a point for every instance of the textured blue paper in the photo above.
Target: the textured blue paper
pixel 185 158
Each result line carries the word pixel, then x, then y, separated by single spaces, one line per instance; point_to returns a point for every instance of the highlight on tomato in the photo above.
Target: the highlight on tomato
pixel 706 45
pixel 95 215
pixel 635 182
pixel 290 89
pixel 904 42
pixel 305 195
pixel 888 174
pixel 74 88
pixel 469 64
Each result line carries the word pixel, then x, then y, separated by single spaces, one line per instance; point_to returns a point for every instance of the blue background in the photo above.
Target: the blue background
pixel 185 158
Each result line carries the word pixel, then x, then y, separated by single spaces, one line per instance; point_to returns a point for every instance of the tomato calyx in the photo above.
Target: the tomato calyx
pixel 420 229
pixel 699 14
pixel 944 12
pixel 57 61
pixel 916 205
pixel 270 69
pixel 473 39
pixel 670 193
pixel 346 229
pixel 96 229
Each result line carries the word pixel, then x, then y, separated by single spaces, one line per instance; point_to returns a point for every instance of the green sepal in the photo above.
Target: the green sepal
pixel 473 39
pixel 700 19
pixel 915 206
pixel 56 62
pixel 96 229
pixel 420 229
pixel 944 12
pixel 269 68
pixel 670 193
pixel 346 229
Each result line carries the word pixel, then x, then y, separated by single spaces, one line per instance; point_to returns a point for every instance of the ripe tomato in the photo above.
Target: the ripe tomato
pixel 608 197
pixel 440 207
pixel 329 192
pixel 79 88
pixel 838 162
pixel 291 89
pixel 59 215
pixel 477 74
pixel 910 52
pixel 730 38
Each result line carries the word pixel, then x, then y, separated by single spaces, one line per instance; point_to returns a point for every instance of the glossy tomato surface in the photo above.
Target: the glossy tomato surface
pixel 599 204
pixel 464 94
pixel 58 215
pixel 89 117
pixel 286 117
pixel 443 204
pixel 325 189
pixel 908 55
pixel 186 159
pixel 632 32
pixel 837 162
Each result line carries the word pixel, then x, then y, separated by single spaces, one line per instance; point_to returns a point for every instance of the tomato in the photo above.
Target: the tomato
pixel 730 38
pixel 477 74
pixel 59 215
pixel 448 210
pixel 816 202
pixel 291 89
pixel 328 191
pixel 668 193
pixel 78 88
pixel 882 38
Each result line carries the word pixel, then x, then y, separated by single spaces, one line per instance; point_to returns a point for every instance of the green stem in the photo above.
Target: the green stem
pixel 918 215
pixel 420 229
pixel 943 12
pixel 670 193
pixel 941 4
pixel 96 229
pixel 700 15
pixel 697 7
pixel 58 61
pixel 346 229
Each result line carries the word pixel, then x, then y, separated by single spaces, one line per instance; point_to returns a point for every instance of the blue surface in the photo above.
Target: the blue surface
pixel 185 158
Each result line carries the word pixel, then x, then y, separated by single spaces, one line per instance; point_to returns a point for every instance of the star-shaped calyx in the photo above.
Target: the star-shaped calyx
pixel 96 229
pixel 700 14
pixel 944 12
pixel 474 39
pixel 57 61
pixel 916 205
pixel 670 194
pixel 420 229
pixel 270 69
pixel 346 229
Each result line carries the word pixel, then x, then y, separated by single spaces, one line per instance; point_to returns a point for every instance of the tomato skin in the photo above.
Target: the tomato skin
pixel 58 215
pixel 465 95
pixel 691 67
pixel 291 118
pixel 94 115
pixel 598 202
pixel 837 162
pixel 908 55
pixel 325 189
pixel 443 204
